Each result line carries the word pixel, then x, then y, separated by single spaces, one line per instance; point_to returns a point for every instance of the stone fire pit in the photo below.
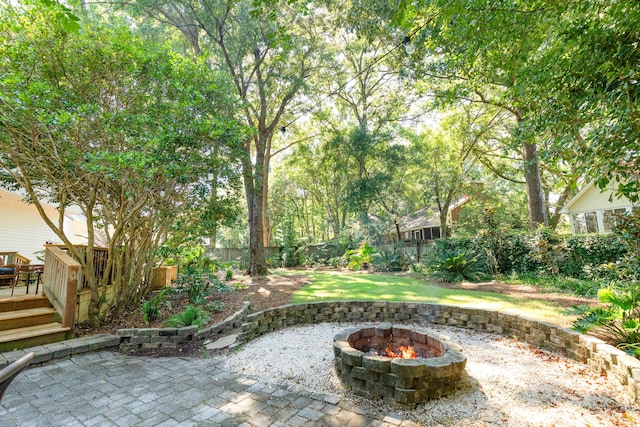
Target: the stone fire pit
pixel 362 363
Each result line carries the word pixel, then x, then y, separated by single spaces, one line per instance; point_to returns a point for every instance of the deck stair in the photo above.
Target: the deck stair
pixel 28 321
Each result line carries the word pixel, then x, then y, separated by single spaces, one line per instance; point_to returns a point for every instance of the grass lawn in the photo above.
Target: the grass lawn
pixel 337 286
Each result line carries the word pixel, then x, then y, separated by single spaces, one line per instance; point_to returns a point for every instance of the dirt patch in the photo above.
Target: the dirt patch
pixel 262 293
pixel 273 291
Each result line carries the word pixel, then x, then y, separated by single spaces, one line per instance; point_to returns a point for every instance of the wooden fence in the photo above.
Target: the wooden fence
pixel 414 249
pixel 240 255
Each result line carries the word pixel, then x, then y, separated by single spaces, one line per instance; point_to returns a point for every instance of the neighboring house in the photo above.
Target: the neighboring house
pixel 592 209
pixel 23 230
pixel 424 224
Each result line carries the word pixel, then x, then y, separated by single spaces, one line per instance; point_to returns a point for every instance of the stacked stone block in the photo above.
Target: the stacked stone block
pixel 598 355
pixel 402 381
pixel 134 339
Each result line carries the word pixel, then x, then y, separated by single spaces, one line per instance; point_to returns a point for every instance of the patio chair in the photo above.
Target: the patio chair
pixel 9 372
pixel 9 275
pixel 30 273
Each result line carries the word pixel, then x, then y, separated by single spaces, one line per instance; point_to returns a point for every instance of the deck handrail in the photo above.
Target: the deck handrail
pixel 60 283
pixel 100 257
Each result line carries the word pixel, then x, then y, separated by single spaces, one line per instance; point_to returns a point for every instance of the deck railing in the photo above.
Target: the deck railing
pixel 60 283
pixel 100 257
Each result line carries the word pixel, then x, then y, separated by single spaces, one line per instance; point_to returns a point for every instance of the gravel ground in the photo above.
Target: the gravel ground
pixel 508 383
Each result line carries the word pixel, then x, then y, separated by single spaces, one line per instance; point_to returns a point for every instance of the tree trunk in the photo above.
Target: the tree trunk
pixel 535 195
pixel 253 184
pixel 266 226
pixel 398 230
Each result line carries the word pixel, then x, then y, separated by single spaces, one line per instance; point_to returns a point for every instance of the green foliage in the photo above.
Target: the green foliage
pixel 228 274
pixel 618 320
pixel 107 120
pixel 557 282
pixel 215 306
pixel 192 315
pixel 194 260
pixel 151 308
pixel 196 285
pixel 389 261
pixel 359 259
pixel 457 266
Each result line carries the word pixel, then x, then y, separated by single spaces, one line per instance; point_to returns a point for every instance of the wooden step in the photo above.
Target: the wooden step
pixel 25 318
pixel 30 336
pixel 23 303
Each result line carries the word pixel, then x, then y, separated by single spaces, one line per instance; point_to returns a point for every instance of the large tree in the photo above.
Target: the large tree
pixel 100 119
pixel 268 50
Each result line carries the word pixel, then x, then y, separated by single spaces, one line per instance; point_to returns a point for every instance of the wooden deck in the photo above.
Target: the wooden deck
pixel 19 291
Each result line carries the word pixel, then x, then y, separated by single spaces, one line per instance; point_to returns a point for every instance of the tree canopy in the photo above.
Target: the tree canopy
pixel 318 108
pixel 101 119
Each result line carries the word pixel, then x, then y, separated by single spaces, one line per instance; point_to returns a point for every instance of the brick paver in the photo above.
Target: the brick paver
pixel 107 388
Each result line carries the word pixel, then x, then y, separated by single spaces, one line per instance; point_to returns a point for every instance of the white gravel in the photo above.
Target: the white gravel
pixel 509 383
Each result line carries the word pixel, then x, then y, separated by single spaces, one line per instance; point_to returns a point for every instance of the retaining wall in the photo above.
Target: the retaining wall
pixel 599 356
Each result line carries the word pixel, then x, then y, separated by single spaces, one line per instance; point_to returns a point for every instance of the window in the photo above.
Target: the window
pixel 586 222
pixel 609 218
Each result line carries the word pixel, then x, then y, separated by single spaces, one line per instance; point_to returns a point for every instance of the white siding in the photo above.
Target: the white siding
pixel 593 199
pixel 24 231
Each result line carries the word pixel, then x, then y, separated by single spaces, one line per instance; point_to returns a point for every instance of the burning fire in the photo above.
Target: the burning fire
pixel 402 351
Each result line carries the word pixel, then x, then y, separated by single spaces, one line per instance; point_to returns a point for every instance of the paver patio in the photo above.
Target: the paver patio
pixel 111 389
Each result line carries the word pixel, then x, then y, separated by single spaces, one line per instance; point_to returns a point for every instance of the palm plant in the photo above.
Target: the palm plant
pixel 618 321
pixel 457 267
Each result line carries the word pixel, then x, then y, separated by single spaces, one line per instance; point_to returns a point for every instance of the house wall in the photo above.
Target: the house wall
pixel 23 230
pixel 593 199
pixel 594 211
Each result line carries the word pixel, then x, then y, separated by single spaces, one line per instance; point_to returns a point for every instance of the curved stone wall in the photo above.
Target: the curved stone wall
pixel 403 381
pixel 599 356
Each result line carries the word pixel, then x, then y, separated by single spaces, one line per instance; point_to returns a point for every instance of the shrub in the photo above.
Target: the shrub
pixel 228 275
pixel 618 321
pixel 191 315
pixel 587 252
pixel 196 285
pixel 359 259
pixel 151 308
pixel 215 306
pixel 456 267
pixel 389 261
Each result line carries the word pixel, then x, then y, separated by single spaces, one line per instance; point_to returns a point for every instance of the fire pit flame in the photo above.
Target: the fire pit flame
pixel 406 365
pixel 402 351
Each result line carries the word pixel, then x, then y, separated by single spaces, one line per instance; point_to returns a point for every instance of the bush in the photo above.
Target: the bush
pixel 151 308
pixel 456 267
pixel 586 252
pixel 618 321
pixel 389 261
pixel 543 251
pixel 191 315
pixel 359 259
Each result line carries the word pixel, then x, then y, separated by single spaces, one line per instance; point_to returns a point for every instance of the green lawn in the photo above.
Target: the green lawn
pixel 336 286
